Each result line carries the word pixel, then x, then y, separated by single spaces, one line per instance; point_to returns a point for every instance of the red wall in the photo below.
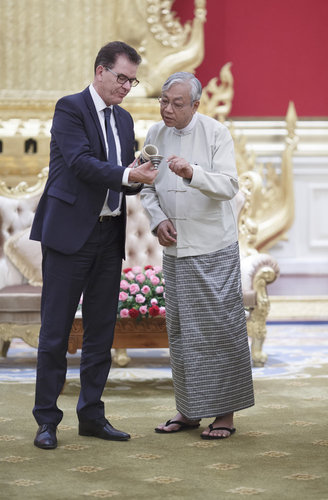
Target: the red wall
pixel 278 50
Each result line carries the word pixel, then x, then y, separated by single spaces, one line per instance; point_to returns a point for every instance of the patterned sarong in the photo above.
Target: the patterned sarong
pixel 206 325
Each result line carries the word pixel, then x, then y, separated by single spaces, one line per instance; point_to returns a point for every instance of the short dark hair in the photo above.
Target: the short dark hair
pixel 108 54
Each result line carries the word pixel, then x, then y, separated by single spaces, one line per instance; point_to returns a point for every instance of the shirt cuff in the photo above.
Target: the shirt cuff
pixel 125 178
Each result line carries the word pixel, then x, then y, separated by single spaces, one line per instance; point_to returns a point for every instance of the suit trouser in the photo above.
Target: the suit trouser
pixel 95 271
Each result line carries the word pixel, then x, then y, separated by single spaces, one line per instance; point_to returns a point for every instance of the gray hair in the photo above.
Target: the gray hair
pixel 181 77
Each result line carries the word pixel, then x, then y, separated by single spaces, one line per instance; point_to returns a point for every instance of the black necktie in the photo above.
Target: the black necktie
pixel 113 196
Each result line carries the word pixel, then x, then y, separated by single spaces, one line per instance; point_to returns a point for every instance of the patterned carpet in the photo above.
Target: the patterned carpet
pixel 280 449
pixel 291 348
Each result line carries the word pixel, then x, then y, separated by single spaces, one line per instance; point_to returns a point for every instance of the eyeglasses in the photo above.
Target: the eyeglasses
pixel 175 105
pixel 122 79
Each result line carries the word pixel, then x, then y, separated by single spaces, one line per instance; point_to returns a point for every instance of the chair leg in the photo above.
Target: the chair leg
pixel 121 358
pixel 256 327
pixel 4 346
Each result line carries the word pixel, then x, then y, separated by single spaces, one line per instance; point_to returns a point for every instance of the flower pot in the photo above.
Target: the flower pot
pixel 129 333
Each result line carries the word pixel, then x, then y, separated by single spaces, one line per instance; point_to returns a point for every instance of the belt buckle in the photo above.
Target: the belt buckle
pixel 104 218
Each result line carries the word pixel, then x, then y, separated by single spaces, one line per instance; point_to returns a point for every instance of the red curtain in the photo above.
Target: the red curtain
pixel 278 50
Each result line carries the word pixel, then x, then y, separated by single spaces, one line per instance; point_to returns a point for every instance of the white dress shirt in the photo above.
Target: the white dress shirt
pixel 100 105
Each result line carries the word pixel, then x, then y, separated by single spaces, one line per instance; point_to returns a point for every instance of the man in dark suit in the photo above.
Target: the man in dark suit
pixel 80 222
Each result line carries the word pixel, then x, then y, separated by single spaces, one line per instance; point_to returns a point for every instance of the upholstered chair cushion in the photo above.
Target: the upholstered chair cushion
pixel 20 304
pixel 250 266
pixel 142 247
pixel 26 255
pixel 249 298
pixel 16 214
pixel 9 274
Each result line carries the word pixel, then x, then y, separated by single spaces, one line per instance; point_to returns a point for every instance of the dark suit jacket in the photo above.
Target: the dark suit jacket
pixel 79 173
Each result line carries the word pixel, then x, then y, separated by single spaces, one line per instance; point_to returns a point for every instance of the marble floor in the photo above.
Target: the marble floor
pixel 291 347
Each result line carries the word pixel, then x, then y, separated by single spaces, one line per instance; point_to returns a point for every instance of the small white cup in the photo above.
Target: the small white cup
pixel 150 152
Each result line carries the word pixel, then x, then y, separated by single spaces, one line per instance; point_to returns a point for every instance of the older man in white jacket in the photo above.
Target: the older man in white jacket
pixel 191 210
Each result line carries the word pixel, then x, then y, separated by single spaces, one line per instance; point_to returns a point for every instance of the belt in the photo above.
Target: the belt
pixel 105 218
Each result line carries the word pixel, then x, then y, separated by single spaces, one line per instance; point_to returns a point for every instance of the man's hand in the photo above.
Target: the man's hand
pixel 145 173
pixel 180 167
pixel 166 233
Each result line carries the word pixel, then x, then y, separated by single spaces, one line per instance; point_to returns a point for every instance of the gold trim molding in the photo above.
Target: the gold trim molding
pixel 300 308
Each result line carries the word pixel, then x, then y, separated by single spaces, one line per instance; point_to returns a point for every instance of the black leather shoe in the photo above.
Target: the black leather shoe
pixel 46 437
pixel 102 429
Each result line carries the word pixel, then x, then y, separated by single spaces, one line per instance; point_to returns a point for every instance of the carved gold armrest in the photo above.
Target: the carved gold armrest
pixel 23 190
pixel 250 187
pixel 257 272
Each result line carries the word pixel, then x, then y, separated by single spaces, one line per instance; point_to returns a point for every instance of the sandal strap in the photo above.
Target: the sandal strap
pixel 182 424
pixel 229 429
pixel 178 422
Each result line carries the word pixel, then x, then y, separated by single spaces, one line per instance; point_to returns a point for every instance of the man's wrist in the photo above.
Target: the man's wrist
pixel 129 181
pixel 132 175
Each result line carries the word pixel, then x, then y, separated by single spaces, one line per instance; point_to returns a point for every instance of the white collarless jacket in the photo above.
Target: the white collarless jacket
pixel 203 209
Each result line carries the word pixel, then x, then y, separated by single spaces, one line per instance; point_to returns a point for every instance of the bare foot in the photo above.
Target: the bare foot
pixel 225 421
pixel 175 427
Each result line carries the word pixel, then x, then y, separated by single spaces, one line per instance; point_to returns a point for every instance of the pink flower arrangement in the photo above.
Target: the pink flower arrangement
pixel 142 293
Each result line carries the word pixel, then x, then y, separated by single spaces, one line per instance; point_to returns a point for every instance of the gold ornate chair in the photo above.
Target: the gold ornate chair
pixel 257 269
pixel 20 264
